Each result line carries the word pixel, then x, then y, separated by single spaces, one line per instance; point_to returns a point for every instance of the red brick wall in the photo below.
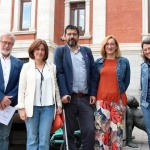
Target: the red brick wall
pixel 59 23
pixel 25 36
pixel 124 20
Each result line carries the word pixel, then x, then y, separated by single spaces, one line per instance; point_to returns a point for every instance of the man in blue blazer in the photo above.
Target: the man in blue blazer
pixel 77 79
pixel 10 68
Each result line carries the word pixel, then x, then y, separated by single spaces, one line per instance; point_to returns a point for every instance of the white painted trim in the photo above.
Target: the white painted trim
pixel 99 20
pixel 45 20
pixel 33 8
pixel 24 32
pixel 20 48
pixel 87 16
pixel 67 14
pixel 17 15
pixel 80 37
pixel 145 19
pixel 5 15
pixel 123 46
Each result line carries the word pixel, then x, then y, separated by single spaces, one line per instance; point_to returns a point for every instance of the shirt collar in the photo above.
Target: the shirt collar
pixel 72 50
pixel 1 56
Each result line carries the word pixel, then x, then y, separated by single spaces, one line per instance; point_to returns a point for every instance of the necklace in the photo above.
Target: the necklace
pixel 42 79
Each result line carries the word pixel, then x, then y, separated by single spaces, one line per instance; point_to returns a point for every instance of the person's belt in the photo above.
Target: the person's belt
pixel 80 95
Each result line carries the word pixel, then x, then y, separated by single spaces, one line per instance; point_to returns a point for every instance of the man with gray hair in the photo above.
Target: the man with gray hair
pixel 10 68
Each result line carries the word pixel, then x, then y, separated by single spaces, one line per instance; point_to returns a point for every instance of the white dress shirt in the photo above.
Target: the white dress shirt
pixel 43 91
pixel 6 63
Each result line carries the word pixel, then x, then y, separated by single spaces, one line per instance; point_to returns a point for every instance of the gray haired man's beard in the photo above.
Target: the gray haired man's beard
pixel 5 52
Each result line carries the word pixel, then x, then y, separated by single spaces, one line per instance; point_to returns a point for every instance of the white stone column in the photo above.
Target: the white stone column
pixel 67 14
pixel 87 18
pixel 5 15
pixel 32 21
pixel 16 15
pixel 99 20
pixel 45 20
pixel 144 18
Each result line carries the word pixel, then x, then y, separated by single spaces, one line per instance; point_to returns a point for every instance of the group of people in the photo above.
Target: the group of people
pixel 42 87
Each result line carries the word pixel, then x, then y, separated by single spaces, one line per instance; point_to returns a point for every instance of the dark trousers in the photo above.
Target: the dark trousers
pixel 81 109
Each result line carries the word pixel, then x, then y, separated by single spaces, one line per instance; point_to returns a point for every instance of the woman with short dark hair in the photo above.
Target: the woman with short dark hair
pixel 38 95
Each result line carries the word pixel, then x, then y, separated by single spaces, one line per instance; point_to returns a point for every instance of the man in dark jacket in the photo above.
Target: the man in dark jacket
pixel 77 79
pixel 10 68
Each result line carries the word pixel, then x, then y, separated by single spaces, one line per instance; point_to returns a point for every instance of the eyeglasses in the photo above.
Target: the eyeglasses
pixel 110 44
pixel 5 43
pixel 73 34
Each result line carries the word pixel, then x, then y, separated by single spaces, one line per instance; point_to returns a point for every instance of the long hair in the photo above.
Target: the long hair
pixel 103 51
pixel 145 41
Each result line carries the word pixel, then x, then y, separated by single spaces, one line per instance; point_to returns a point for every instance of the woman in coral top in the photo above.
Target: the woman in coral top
pixel 114 79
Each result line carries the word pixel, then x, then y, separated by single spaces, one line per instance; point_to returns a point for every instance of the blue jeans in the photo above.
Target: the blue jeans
pixel 146 114
pixel 38 127
pixel 4 135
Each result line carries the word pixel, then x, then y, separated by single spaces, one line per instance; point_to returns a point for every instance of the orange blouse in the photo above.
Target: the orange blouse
pixel 108 89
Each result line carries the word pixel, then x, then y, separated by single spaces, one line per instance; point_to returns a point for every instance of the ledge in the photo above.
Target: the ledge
pixel 80 37
pixel 145 34
pixel 24 32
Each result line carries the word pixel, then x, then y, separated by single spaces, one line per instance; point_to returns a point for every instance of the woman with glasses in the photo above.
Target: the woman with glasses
pixel 38 96
pixel 114 78
pixel 145 85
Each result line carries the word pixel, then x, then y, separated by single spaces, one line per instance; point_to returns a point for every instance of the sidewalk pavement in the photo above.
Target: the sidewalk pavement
pixel 140 139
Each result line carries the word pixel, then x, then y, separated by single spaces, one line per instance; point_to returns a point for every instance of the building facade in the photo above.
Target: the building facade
pixel 46 19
